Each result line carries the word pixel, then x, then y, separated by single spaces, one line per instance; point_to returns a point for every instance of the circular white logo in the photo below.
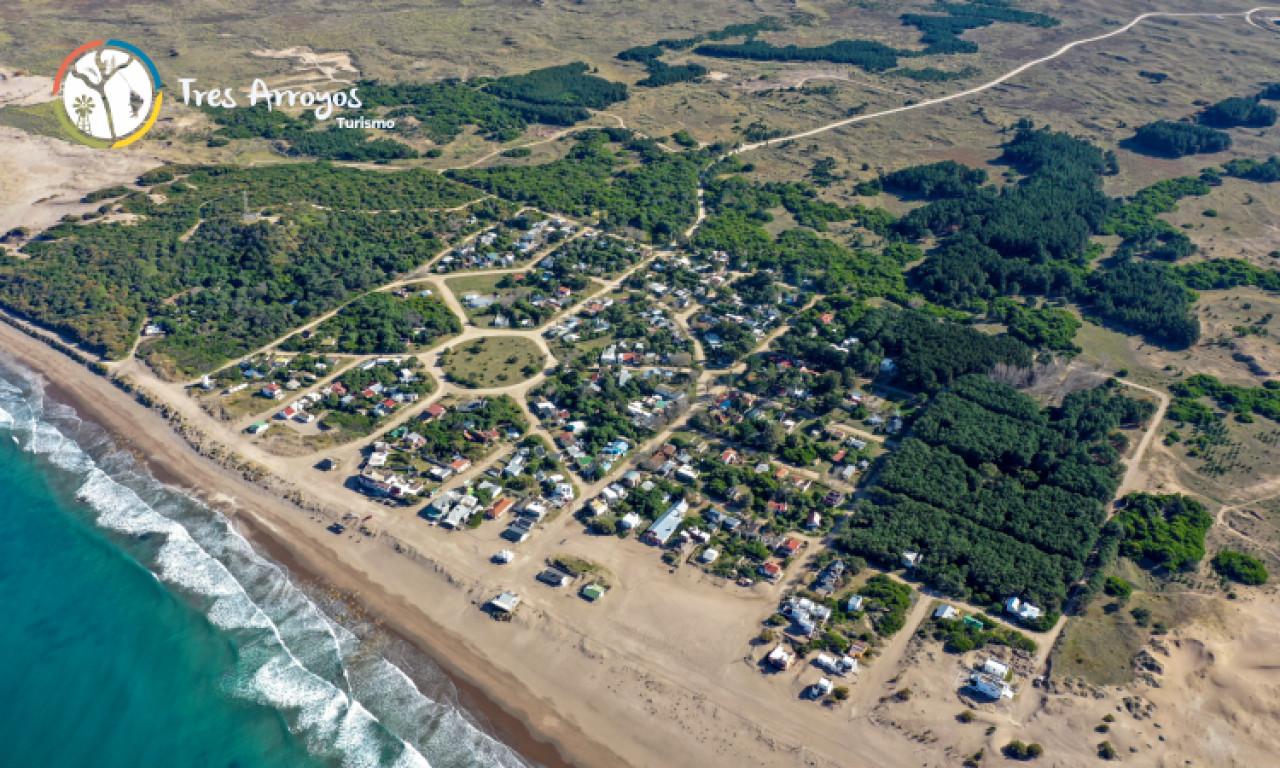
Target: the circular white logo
pixel 108 92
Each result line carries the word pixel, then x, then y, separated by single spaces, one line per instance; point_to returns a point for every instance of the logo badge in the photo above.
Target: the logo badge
pixel 110 93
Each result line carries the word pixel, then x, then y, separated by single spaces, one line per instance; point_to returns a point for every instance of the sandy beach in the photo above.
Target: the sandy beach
pixel 662 672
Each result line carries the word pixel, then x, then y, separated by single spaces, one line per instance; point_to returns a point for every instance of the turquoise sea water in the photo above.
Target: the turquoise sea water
pixel 139 629
pixel 103 665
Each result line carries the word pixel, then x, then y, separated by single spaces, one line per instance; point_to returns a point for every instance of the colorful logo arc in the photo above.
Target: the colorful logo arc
pixel 110 93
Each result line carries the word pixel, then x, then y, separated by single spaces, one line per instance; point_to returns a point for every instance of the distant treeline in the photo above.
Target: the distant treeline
pixel 661 73
pixel 501 109
pixel 1179 139
pixel 940 35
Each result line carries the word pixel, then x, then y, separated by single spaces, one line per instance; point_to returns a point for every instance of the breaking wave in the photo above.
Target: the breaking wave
pixel 340 695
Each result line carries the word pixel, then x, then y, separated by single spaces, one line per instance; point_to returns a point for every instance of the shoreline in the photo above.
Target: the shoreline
pixel 265 519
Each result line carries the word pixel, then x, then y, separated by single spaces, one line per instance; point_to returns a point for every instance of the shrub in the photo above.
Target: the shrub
pixel 1118 587
pixel 1106 751
pixel 1240 567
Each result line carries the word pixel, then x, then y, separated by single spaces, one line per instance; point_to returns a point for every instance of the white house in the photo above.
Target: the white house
pixel 991 686
pixel 1023 610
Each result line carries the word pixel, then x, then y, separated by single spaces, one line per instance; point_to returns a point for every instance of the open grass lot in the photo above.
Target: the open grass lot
pixel 493 361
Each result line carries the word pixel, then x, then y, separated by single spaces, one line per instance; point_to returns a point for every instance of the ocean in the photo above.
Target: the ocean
pixel 140 629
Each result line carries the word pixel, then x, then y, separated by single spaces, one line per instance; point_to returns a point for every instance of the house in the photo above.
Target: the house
pixel 781 657
pixel 789 547
pixel 506 602
pixel 730 457
pixel 258 428
pixel 709 555
pixel 686 473
pixel 631 479
pixel 846 473
pixel 854 604
pixel 833 499
pixel 665 527
pixel 990 686
pixel 592 592
pixel 629 521
pixel 597 507
pixel 820 688
pixel 519 530
pixel 500 508
pixel 771 570
pixel 911 559
pixel 460 465
pixel 555 577
pixel 996 668
pixel 440 473
pixel 858 649
pixel 273 391
pixel 945 613
pixel 1023 610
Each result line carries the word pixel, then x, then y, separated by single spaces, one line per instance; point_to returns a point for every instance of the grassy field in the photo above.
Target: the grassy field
pixel 1100 645
pixel 494 361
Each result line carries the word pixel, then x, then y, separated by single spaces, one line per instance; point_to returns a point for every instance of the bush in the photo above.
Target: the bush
pixel 1015 750
pixel 966 716
pixel 1118 587
pixel 1106 751
pixel 840 693
pixel 1141 616
pixel 1240 567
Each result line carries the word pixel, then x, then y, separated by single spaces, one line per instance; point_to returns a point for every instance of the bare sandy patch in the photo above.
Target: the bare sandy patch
pixel 43 179
pixel 330 65
pixel 22 90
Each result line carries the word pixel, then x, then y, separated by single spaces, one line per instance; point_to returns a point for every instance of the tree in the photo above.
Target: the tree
pixel 1118 587
pixel 1240 567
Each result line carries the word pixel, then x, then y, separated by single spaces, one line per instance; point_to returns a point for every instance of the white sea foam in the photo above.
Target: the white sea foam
pixel 345 703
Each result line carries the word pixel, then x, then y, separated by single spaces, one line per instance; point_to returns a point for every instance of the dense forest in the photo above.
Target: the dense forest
pixel 220 285
pixel 630 180
pixel 1000 497
pixel 1163 531
pixel 302 136
pixel 1033 238
pixel 380 323
pixel 501 109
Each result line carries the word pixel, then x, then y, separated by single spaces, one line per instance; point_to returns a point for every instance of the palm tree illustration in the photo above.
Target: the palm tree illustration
pixel 106 71
pixel 83 106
